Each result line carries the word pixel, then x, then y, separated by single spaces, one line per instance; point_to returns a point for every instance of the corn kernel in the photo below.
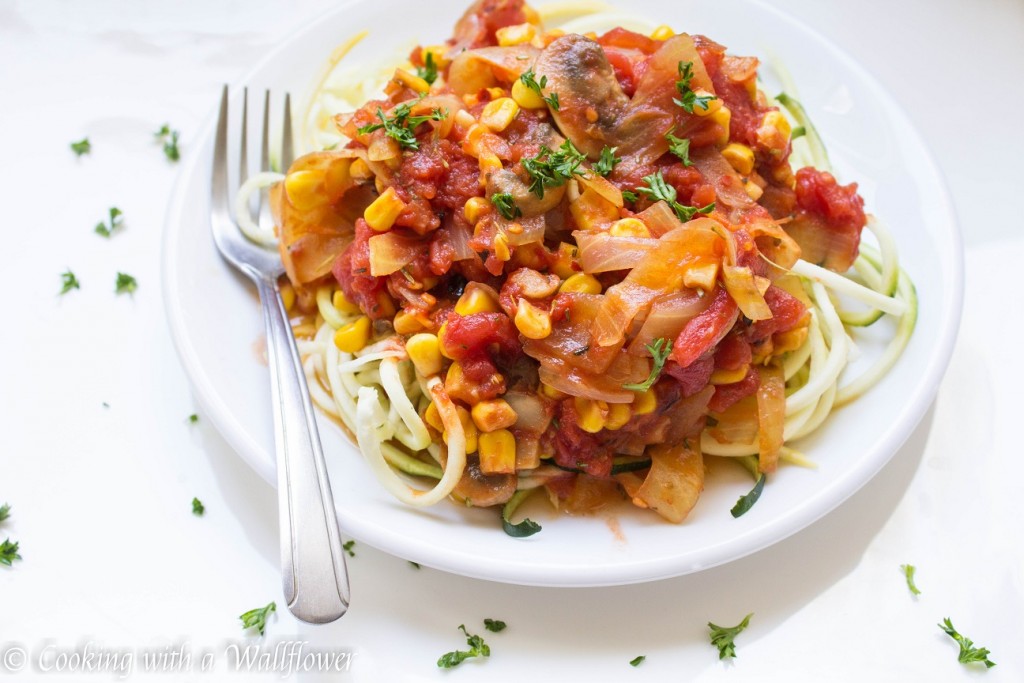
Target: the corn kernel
pixel 498 452
pixel 526 97
pixel 288 296
pixel 440 340
pixel 464 118
pixel 360 171
pixel 425 353
pixel 476 299
pixel 723 117
pixel 532 322
pixel 475 208
pixel 433 418
pixel 790 340
pixel 492 415
pixel 342 304
pixel 618 416
pixel 468 428
pixel 499 113
pixel 438 52
pixel 304 189
pixel 722 376
pixel 645 403
pixel 380 215
pixel 629 227
pixel 564 261
pixel 412 81
pixel 592 415
pixel 552 393
pixel 740 157
pixel 774 131
pixel 713 105
pixel 501 250
pixel 407 323
pixel 582 283
pixel 489 163
pixel 515 35
pixel 701 277
pixel 663 32
pixel 353 337
pixel 754 191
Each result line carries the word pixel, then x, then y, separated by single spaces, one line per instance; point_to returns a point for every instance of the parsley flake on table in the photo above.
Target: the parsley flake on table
pixel 968 653
pixel 477 648
pixel 5 511
pixel 657 190
pixel 257 618
pixel 68 282
pixel 197 507
pixel 169 138
pixel 9 552
pixel 115 223
pixel 908 573
pixel 193 418
pixel 400 126
pixel 81 147
pixel 607 161
pixel 660 350
pixel 688 98
pixel 722 637
pixel 553 168
pixel 506 205
pixel 125 284
pixel 495 625
pixel 637 661
pixel 347 547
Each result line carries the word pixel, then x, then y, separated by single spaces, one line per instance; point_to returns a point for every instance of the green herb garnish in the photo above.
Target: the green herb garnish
pixel 660 350
pixel 746 502
pixel 81 147
pixel 529 79
pixel 125 284
pixel 552 101
pixel 197 507
pixel 722 637
pixel 257 618
pixel 680 147
pixel 968 653
pixel 637 661
pixel 606 164
pixel 401 126
pixel 116 220
pixel 494 625
pixel 477 648
pixel 68 282
pixel 169 138
pixel 553 168
pixel 9 552
pixel 506 205
pixel 658 190
pixel 5 511
pixel 193 418
pixel 347 547
pixel 908 572
pixel 428 71
pixel 630 196
pixel 525 528
pixel 687 97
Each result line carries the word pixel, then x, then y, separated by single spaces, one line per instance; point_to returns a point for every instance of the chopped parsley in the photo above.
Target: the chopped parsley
pixel 908 572
pixel 9 552
pixel 722 637
pixel 5 511
pixel 68 282
pixel 506 205
pixel 680 147
pixel 415 565
pixel 637 661
pixel 525 528
pixel 495 625
pixel 552 101
pixel 660 350
pixel 688 99
pixel 477 648
pixel 401 126
pixel 553 168
pixel 529 79
pixel 968 653
pixel 81 147
pixel 428 71
pixel 347 547
pixel 257 618
pixel 658 190
pixel 116 221
pixel 606 164
pixel 197 507
pixel 193 418
pixel 630 196
pixel 169 138
pixel 125 284
pixel 747 501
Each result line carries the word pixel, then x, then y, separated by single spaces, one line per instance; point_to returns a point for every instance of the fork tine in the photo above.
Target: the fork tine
pixel 264 151
pixel 219 186
pixel 287 143
pixel 243 152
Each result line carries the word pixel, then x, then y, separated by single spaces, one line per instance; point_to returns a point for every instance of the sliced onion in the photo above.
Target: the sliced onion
pixel 722 176
pixel 742 287
pixel 602 187
pixel 674 482
pixel 669 314
pixel 659 218
pixel 771 417
pixel 578 383
pixel 458 238
pixel 531 415
pixel 390 252
pixel 530 230
pixel 600 252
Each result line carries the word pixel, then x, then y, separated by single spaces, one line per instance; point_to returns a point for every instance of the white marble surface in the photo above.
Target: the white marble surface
pixel 101 496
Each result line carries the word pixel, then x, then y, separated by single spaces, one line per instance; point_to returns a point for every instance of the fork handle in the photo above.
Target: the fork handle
pixel 312 559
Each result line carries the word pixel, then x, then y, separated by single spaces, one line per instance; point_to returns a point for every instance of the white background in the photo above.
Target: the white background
pixel 101 496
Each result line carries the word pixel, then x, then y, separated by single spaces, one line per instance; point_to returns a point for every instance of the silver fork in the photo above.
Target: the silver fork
pixel 312 560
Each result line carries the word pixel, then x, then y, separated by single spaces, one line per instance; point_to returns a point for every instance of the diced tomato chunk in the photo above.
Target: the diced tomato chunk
pixel 578 449
pixel 465 335
pixel 352 271
pixel 705 329
pixel 733 353
pixel 727 394
pixel 828 221
pixel 787 313
pixel 693 377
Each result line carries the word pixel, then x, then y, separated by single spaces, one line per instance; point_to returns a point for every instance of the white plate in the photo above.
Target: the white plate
pixel 217 327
